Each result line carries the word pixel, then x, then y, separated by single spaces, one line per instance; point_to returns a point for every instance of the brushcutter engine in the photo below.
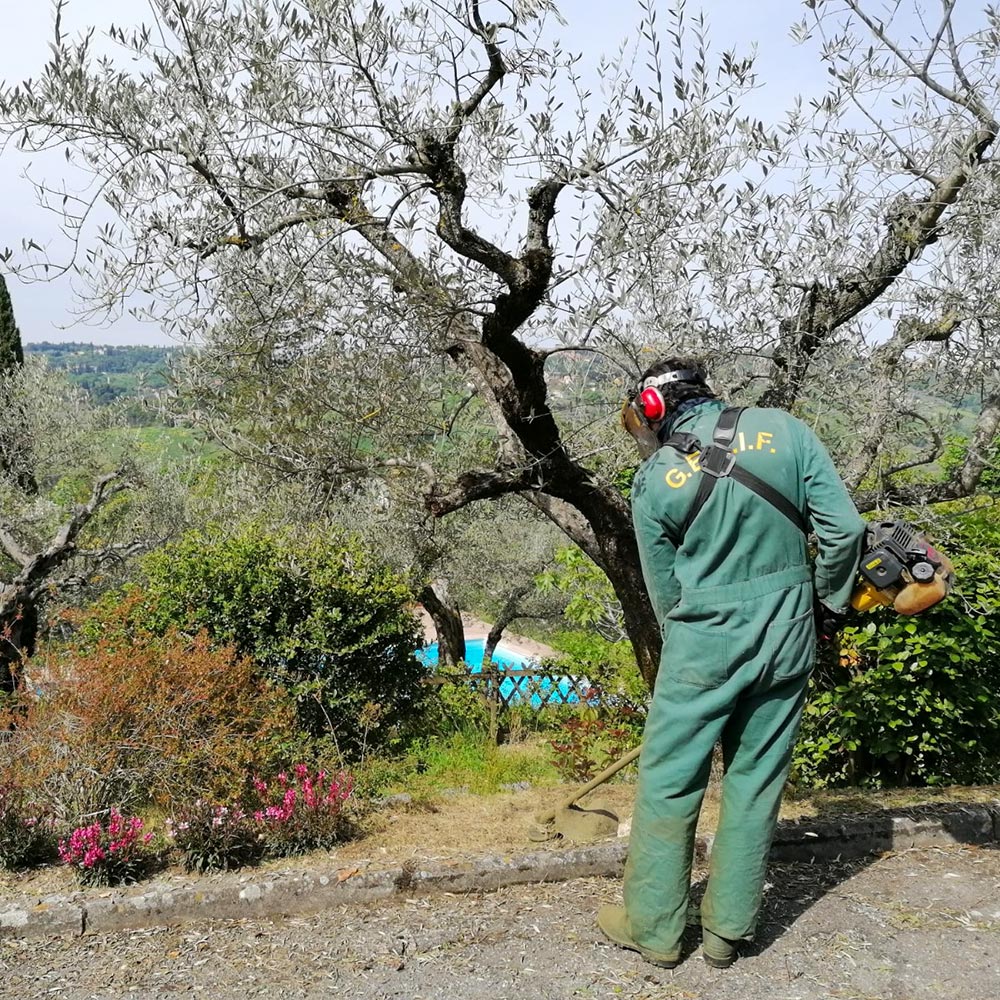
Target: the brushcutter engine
pixel 901 569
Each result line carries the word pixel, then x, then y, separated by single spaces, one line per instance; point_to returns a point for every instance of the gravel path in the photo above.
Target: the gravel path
pixel 908 926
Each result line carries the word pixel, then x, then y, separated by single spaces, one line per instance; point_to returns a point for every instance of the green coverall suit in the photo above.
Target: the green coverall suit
pixel 734 600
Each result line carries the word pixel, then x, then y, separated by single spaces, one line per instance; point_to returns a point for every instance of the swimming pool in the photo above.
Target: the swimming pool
pixel 543 689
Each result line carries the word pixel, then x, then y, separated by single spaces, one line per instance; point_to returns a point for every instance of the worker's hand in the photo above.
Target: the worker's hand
pixel 828 623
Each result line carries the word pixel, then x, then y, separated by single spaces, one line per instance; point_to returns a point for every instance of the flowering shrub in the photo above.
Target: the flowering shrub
pixel 302 812
pixel 215 837
pixel 26 829
pixel 107 855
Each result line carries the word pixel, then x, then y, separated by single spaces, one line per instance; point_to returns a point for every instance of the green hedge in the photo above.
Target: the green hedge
pixel 915 701
pixel 321 617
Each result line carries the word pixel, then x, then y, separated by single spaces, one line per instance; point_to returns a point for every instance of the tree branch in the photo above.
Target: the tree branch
pixel 12 548
pixel 982 449
pixel 473 486
pixel 825 308
pixel 464 341
pixel 933 453
pixel 971 101
pixel 436 154
pixel 909 330
pixel 949 7
pixel 494 74
pixel 569 519
pixel 36 578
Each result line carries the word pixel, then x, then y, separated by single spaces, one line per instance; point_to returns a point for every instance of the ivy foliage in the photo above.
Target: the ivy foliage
pixel 914 701
pixel 319 616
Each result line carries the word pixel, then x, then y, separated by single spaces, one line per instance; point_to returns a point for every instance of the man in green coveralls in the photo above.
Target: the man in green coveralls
pixel 734 594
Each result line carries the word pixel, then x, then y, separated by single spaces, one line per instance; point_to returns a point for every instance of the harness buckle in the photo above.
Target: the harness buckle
pixel 717 462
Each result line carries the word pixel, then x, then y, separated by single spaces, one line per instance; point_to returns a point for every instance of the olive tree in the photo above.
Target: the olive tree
pixel 92 503
pixel 389 224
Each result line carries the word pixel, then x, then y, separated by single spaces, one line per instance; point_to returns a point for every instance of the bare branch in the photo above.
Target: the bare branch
pixel 931 454
pixel 949 7
pixel 201 168
pixel 956 63
pixel 494 75
pixel 106 487
pixel 970 101
pixel 246 241
pixel 569 519
pixel 450 426
pixel 905 155
pixel 37 578
pixel 463 339
pixel 120 552
pixel 909 330
pixel 196 163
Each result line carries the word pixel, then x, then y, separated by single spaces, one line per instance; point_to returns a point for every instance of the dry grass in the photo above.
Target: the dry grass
pixel 452 827
pixel 838 802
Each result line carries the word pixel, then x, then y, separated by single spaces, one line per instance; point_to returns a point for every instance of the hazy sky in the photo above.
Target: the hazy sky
pixel 43 310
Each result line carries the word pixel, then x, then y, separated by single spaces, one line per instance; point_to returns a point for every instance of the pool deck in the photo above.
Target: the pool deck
pixel 476 628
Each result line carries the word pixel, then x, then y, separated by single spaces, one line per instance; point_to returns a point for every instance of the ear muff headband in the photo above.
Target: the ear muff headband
pixel 654 406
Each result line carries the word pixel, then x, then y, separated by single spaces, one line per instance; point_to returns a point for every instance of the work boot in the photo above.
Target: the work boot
pixel 718 952
pixel 614 924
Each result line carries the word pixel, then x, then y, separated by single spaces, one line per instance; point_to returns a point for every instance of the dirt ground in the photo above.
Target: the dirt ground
pixel 910 926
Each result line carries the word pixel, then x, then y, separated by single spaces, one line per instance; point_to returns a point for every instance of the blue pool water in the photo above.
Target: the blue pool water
pixel 544 690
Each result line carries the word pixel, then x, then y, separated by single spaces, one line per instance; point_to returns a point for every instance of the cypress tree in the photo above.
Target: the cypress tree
pixel 15 452
pixel 11 349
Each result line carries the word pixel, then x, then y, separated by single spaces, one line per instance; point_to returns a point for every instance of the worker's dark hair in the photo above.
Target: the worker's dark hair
pixel 675 393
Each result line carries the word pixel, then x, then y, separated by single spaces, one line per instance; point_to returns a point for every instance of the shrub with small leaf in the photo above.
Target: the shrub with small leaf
pixel 321 617
pixel 213 837
pixel 302 811
pixel 108 854
pixel 26 829
pixel 913 701
pixel 590 742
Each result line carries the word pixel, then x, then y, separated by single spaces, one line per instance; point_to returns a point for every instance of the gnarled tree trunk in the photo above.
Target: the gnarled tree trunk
pixel 447 618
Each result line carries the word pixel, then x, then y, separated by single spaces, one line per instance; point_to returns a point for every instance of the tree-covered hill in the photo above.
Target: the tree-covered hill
pixel 109 372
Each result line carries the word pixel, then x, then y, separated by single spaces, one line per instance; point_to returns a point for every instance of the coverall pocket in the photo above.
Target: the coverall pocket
pixel 790 647
pixel 695 656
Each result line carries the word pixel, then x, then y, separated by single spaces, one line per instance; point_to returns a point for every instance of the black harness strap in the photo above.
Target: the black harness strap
pixel 772 496
pixel 718 461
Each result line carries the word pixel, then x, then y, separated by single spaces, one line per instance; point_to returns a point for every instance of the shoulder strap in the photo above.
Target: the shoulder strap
pixel 718 461
pixel 772 496
pixel 715 461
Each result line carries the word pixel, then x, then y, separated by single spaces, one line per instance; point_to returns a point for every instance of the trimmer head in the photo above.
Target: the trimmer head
pixel 576 824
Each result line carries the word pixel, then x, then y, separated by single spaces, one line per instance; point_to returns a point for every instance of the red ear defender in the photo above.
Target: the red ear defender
pixel 654 407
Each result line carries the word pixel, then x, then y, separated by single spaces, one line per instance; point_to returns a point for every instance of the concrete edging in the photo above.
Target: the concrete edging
pixel 237 896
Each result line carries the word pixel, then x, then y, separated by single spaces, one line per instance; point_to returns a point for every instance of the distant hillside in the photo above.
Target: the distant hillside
pixel 109 372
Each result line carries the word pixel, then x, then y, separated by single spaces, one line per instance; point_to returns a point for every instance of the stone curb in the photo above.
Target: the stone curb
pixel 234 896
